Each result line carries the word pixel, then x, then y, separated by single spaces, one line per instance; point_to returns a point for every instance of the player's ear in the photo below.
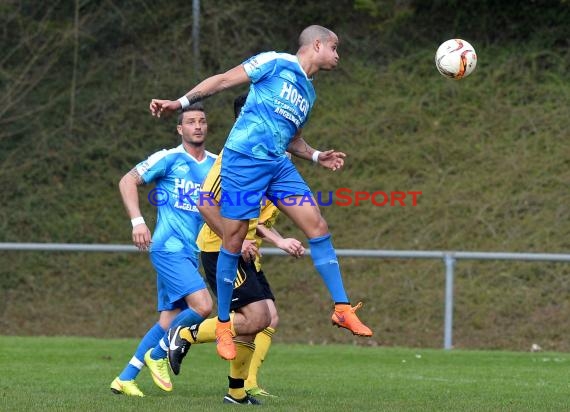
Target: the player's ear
pixel 179 129
pixel 317 44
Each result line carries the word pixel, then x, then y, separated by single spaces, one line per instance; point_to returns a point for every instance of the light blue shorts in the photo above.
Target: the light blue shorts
pixel 247 180
pixel 177 276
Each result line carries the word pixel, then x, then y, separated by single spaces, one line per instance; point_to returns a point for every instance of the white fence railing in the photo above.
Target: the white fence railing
pixel 449 259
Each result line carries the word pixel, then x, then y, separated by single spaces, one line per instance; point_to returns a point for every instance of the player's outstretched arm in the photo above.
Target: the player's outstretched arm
pixel 204 89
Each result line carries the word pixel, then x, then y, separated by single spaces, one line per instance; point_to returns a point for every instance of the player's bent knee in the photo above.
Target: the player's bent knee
pixel 205 308
pixel 257 316
pixel 274 321
pixel 261 321
pixel 316 229
pixel 233 244
pixel 322 226
pixel 200 302
pixel 203 311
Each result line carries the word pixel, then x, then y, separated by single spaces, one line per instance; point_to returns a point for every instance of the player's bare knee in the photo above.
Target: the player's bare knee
pixel 200 302
pixel 257 316
pixel 319 228
pixel 263 322
pixel 203 309
pixel 164 324
pixel 166 317
pixel 274 321
pixel 233 244
pixel 323 226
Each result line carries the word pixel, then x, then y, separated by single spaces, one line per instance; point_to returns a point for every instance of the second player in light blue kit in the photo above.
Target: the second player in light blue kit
pixel 181 291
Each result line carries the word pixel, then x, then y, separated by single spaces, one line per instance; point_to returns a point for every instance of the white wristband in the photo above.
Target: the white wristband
pixel 316 154
pixel 137 221
pixel 184 102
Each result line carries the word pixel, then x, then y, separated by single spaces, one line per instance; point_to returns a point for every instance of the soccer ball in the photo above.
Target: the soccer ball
pixel 455 59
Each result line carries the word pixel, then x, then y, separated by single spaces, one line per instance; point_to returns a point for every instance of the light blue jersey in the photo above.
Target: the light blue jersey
pixel 178 177
pixel 277 106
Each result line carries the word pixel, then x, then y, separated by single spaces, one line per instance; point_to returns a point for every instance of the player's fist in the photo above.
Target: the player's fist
pixel 158 106
pixel 291 246
pixel 249 250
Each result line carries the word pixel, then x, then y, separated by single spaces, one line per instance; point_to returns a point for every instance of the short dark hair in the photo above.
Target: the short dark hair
pixel 238 104
pixel 196 107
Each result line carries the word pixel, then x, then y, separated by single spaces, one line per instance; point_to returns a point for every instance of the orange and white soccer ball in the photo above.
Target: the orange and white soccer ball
pixel 455 59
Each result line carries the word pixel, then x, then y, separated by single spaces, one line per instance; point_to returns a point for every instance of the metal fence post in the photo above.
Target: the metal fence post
pixel 448 320
pixel 196 38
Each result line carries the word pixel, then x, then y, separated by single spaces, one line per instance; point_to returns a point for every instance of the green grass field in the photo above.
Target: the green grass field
pixel 74 374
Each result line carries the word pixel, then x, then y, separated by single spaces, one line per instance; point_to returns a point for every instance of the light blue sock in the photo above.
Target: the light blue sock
pixel 136 363
pixel 187 317
pixel 226 273
pixel 326 263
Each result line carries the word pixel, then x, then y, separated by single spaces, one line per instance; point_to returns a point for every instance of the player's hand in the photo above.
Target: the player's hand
pixel 292 246
pixel 158 107
pixel 331 159
pixel 249 250
pixel 141 236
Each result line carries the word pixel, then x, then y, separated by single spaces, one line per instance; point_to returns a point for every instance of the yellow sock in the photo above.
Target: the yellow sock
pixel 239 368
pixel 206 331
pixel 262 343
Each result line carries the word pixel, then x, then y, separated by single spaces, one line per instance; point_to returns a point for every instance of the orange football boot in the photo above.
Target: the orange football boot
pixel 225 340
pixel 345 317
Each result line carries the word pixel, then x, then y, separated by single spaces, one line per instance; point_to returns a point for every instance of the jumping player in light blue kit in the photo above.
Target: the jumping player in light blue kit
pixel 181 291
pixel 254 164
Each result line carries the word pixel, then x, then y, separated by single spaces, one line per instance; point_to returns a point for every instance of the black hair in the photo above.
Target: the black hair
pixel 196 107
pixel 238 104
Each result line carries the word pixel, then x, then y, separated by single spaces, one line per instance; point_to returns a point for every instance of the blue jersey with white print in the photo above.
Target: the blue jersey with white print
pixel 278 104
pixel 178 177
